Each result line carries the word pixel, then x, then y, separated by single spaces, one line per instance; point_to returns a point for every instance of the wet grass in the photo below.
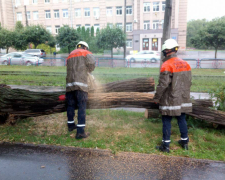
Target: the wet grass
pixel 118 130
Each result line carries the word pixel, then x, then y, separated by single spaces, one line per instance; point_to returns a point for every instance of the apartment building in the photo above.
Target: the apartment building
pixel 144 18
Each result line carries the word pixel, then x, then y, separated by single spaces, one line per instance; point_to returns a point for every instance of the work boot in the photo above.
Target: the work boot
pixel 82 135
pixel 183 144
pixel 71 128
pixel 163 148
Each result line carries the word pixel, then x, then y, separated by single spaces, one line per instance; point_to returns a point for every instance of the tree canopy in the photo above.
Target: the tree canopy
pixel 212 35
pixel 7 38
pixel 193 27
pixel 110 38
pixel 67 37
pixel 37 34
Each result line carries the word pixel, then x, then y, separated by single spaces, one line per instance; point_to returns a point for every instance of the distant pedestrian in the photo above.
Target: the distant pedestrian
pixel 80 63
pixel 173 94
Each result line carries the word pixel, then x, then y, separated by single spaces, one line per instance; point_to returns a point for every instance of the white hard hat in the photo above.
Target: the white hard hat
pixel 169 44
pixel 83 43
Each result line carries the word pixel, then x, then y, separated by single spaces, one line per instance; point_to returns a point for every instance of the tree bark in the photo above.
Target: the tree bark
pixel 152 113
pixel 132 85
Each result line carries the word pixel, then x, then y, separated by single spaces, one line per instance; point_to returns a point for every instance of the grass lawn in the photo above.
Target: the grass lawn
pixel 116 130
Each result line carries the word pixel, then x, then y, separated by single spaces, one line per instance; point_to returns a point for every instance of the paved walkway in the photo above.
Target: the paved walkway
pixel 23 162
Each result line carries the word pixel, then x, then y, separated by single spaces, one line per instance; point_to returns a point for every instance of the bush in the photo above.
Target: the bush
pixel 219 95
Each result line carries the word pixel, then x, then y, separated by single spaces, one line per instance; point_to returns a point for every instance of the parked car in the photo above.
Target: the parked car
pixel 36 52
pixel 20 58
pixel 141 56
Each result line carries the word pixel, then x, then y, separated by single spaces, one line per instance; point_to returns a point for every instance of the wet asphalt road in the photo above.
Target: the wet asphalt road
pixel 23 162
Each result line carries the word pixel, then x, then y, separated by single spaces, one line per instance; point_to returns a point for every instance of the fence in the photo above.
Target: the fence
pixel 204 63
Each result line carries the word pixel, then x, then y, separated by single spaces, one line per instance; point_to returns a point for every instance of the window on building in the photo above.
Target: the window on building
pixel 155 6
pixel 163 5
pixel 19 16
pixel 18 3
pixel 48 14
pixel 35 15
pixel 57 29
pixel 129 43
pixel 146 7
pixel 146 25
pixel 64 0
pixel 129 27
pixel 78 12
pixel 65 13
pixel 96 26
pixel 129 10
pixel 119 25
pixel 55 1
pixel 119 10
pixel 78 25
pixel 109 11
pixel 87 26
pixel 26 2
pixel 47 1
pixel 28 15
pixel 96 12
pixel 56 13
pixel 87 12
pixel 155 24
pixel 49 29
pixel 35 1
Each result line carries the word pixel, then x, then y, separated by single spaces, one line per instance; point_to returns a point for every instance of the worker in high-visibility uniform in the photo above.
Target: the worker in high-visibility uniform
pixel 80 63
pixel 173 94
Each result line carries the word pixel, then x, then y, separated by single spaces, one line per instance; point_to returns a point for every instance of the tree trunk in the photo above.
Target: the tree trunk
pixel 216 52
pixel 152 113
pixel 7 50
pixel 201 110
pixel 132 85
pixel 112 53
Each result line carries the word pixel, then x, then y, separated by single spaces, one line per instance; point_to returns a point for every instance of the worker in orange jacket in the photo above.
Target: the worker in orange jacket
pixel 80 63
pixel 173 94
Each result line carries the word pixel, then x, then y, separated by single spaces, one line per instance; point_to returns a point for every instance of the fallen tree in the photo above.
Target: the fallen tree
pixel 26 103
pixel 202 109
pixel 132 85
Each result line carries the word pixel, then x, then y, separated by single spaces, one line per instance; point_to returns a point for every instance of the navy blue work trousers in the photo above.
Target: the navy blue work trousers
pixel 166 120
pixel 76 100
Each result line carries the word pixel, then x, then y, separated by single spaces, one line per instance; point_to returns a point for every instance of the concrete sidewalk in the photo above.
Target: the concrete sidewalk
pixel 24 162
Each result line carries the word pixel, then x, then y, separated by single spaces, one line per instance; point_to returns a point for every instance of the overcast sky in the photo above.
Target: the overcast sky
pixel 208 9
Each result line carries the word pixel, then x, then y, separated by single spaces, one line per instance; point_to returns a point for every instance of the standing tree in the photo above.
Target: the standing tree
pixel 20 42
pixel 193 27
pixel 92 31
pixel 36 34
pixel 110 38
pixel 83 33
pixel 67 37
pixel 6 39
pixel 212 36
pixel 19 26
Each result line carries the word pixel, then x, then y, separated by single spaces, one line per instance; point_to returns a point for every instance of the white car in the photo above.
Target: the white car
pixel 20 58
pixel 142 56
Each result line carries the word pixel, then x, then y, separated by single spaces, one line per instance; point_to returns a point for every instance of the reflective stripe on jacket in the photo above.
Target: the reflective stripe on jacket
pixel 173 90
pixel 80 62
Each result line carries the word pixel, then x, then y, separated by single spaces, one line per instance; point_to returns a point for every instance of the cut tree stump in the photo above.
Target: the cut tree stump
pixel 152 113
